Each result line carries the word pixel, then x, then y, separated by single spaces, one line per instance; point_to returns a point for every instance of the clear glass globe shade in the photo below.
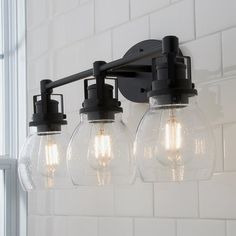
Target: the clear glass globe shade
pixel 174 143
pixel 100 153
pixel 42 162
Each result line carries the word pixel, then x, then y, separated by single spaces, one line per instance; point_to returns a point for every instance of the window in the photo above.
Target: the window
pixel 8 197
pixel 12 115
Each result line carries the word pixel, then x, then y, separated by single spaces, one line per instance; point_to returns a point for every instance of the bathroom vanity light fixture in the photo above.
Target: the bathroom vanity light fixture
pixel 173 141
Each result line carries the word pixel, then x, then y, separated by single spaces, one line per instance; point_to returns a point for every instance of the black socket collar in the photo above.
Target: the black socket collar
pixel 100 108
pixel 172 83
pixel 99 103
pixel 46 116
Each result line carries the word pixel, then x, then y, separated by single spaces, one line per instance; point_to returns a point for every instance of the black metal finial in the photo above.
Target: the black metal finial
pixel 170 44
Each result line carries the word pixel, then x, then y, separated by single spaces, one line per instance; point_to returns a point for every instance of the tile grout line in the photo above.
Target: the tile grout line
pixel 136 217
pixel 221 54
pixel 133 228
pixel 98 233
pixel 225 225
pixel 129 10
pixel 176 227
pixel 198 200
pixel 149 26
pixel 223 146
pixel 153 200
pixel 112 45
pixel 94 18
pixel 194 19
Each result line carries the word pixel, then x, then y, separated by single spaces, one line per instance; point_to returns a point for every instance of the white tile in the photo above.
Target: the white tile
pixel 217 196
pixel 214 15
pixel 40 203
pixel 215 100
pixel 84 201
pixel 205 55
pixel 80 56
pixel 135 200
pixel 229 51
pixel 37 12
pixel 39 69
pixel 178 19
pixel 115 227
pixel 70 225
pixel 40 225
pixel 58 226
pixel 231 227
pixel 60 6
pixel 229 131
pixel 200 228
pixel 38 41
pixel 32 230
pixel 109 13
pixel 135 31
pixel 141 7
pixel 218 135
pixel 85 1
pixel 64 30
pixel 82 226
pixel 153 227
pixel 176 199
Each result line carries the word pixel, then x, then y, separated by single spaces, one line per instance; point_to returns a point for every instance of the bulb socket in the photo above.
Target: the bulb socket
pixel 46 116
pixel 173 84
pixel 100 108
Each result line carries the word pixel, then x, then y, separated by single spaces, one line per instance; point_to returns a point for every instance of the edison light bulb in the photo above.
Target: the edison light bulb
pixel 42 163
pixel 51 161
pixel 102 148
pixel 173 133
pixel 174 143
pixel 100 153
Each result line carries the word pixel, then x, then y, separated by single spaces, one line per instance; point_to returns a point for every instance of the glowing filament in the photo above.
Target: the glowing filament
pixel 173 135
pixel 52 160
pixel 102 147
pixel 52 155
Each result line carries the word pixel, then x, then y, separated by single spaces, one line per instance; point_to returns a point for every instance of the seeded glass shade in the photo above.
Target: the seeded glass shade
pixel 100 153
pixel 174 143
pixel 42 163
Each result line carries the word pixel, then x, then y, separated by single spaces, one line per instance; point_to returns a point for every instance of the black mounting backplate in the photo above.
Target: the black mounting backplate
pixel 135 88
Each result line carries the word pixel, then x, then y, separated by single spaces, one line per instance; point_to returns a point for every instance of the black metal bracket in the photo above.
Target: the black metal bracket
pixel 136 88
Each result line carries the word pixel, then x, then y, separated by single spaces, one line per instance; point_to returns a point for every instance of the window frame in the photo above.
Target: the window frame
pixel 9 166
pixel 15 99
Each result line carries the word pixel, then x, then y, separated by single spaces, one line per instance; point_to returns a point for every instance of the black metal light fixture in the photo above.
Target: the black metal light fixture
pixel 173 141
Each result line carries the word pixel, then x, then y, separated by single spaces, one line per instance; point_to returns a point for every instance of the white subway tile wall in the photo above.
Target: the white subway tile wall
pixel 154 227
pixel 176 199
pixel 200 227
pixel 65 37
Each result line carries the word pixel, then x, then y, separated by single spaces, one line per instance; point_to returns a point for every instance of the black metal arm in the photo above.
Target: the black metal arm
pixel 112 68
